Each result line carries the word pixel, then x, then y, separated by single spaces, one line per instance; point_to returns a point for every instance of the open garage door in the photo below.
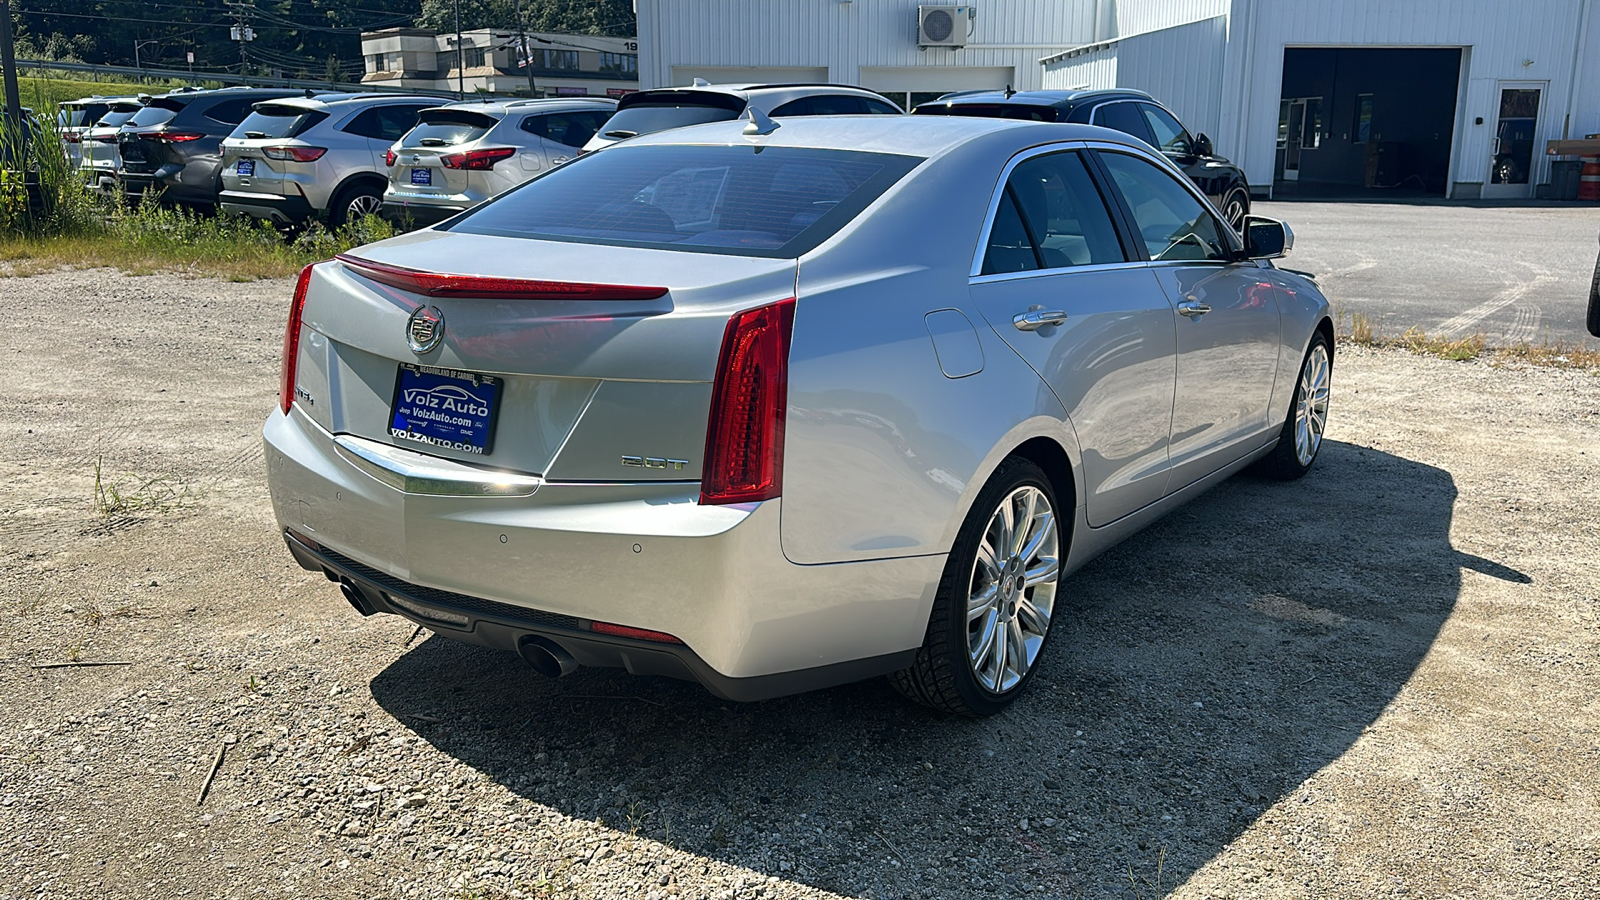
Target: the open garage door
pixel 1354 121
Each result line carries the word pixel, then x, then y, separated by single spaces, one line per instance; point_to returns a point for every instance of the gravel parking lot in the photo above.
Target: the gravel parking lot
pixel 1377 682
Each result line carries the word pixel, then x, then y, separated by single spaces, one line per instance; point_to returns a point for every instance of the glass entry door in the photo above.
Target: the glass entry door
pixel 1512 159
pixel 1299 130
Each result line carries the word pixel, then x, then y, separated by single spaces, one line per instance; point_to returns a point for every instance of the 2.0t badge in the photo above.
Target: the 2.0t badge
pixel 425 329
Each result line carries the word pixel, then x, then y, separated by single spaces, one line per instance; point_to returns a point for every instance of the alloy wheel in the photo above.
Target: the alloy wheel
pixel 1311 404
pixel 1234 212
pixel 1013 589
pixel 363 205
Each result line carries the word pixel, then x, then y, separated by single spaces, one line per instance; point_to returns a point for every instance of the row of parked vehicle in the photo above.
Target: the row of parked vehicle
pixel 290 157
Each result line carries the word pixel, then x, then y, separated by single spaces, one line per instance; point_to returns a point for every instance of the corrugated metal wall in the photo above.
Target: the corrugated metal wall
pixel 1139 16
pixel 1180 66
pixel 1530 40
pixel 847 36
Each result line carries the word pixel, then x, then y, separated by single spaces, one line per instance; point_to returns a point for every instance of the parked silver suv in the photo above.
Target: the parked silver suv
pixel 644 112
pixel 314 157
pixel 462 154
pixel 98 160
pixel 73 118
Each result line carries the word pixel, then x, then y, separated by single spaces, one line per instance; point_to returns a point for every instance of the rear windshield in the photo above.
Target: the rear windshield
pixel 277 122
pixel 115 118
pixel 775 202
pixel 1025 111
pixel 153 115
pixel 447 127
pixel 644 113
pixel 76 116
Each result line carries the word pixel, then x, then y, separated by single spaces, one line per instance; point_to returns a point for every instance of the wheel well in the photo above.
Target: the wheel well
pixel 1048 455
pixel 371 178
pixel 1326 327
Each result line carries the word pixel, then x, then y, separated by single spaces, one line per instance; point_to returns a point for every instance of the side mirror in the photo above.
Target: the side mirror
pixel 1202 146
pixel 1266 238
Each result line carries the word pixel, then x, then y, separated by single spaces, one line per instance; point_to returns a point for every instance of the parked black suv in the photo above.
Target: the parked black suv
pixel 1129 111
pixel 174 145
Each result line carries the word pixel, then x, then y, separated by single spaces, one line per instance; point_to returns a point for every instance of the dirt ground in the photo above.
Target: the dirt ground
pixel 1379 681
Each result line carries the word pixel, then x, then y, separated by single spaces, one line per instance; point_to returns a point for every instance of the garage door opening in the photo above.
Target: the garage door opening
pixel 1355 121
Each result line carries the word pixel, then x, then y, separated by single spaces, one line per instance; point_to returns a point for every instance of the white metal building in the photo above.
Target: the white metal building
pixel 1452 97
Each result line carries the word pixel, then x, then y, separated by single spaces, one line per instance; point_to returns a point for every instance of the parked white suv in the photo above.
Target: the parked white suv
pixel 462 154
pixel 98 159
pixel 322 157
pixel 644 112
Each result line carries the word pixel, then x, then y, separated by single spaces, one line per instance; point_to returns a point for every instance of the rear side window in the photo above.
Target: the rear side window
pixel 573 129
pixel 232 111
pixel 448 127
pixel 1126 118
pixel 1052 211
pixel 270 121
pixel 777 202
pixel 384 123
pixel 77 116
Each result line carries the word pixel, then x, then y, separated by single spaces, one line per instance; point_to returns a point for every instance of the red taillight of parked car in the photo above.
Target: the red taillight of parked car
pixel 177 137
pixel 744 440
pixel 106 138
pixel 477 160
pixel 489 287
pixel 291 340
pixel 72 137
pixel 389 157
pixel 295 154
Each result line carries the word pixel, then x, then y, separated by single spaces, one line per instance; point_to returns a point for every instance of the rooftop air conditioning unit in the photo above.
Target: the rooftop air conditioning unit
pixel 944 26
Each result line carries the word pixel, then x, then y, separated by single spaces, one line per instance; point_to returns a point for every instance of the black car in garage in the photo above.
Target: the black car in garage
pixel 1129 111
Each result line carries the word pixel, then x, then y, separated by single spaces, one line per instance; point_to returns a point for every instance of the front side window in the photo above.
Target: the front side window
pixel 776 202
pixel 1170 135
pixel 1171 222
pixel 1053 210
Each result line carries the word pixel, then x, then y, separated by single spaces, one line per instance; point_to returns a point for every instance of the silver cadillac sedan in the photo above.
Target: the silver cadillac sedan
pixel 776 407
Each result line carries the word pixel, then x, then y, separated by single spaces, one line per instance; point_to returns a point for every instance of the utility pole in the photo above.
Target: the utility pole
pixel 461 68
pixel 136 45
pixel 8 58
pixel 243 11
pixel 524 49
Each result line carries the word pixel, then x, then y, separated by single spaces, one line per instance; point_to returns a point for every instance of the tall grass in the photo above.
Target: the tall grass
pixel 48 220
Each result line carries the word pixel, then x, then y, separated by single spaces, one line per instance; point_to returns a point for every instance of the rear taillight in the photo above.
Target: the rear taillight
pixel 291 340
pixel 744 438
pixel 107 138
pixel 177 137
pixel 488 287
pixel 389 157
pixel 72 137
pixel 477 160
pixel 295 154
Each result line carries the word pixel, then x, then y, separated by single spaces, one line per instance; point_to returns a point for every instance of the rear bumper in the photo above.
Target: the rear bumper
pixel 419 215
pixel 273 207
pixel 175 182
pixel 499 569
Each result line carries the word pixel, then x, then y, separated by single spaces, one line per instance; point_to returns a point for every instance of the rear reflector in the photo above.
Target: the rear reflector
pixel 638 634
pixel 437 284
pixel 744 439
pixel 291 340
pixel 477 160
pixel 295 154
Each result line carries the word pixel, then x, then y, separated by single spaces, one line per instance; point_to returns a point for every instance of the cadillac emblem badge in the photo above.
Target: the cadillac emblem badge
pixel 425 329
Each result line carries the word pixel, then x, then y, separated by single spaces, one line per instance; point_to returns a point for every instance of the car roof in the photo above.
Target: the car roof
pixel 337 102
pixel 758 89
pixel 1037 98
pixel 502 107
pixel 924 136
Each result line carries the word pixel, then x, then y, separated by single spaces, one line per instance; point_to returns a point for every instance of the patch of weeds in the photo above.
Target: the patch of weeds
pixel 94 613
pixel 1462 349
pixel 1557 355
pixel 75 651
pixel 157 494
pixel 1143 886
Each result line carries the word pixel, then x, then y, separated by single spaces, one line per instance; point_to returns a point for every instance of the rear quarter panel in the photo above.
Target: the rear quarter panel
pixel 884 453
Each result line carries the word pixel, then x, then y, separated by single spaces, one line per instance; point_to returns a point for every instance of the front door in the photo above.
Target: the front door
pixel 1512 159
pixel 1057 285
pixel 1226 315
pixel 1296 118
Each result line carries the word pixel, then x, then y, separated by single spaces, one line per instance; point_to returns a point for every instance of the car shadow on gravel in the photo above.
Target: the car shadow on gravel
pixel 1203 670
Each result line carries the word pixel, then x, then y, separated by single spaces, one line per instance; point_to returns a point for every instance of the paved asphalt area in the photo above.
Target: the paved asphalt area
pixel 1515 273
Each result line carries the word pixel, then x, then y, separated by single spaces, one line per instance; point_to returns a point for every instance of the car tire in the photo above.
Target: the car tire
pixel 1301 437
pixel 1235 206
pixel 982 625
pixel 355 202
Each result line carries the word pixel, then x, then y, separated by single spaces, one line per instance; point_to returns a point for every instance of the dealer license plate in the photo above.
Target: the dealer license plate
pixel 247 167
pixel 445 408
pixel 422 176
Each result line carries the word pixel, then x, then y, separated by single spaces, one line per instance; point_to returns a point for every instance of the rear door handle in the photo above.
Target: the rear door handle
pixel 1193 309
pixel 1033 321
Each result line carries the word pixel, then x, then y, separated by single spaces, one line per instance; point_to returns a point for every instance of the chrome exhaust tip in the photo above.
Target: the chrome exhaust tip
pixel 546 657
